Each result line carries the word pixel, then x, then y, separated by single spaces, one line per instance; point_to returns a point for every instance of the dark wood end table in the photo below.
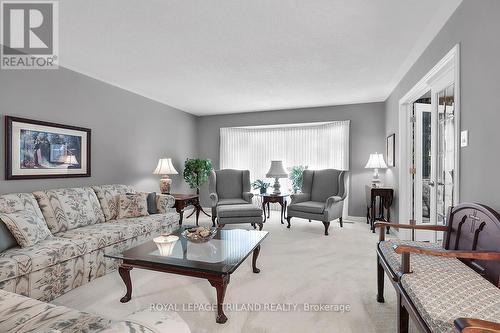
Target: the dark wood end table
pixel 268 198
pixel 386 196
pixel 182 201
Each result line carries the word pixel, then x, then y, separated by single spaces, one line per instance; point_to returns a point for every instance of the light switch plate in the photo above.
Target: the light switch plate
pixel 464 138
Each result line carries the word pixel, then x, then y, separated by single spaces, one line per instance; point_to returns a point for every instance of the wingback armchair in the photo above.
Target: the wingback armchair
pixel 321 198
pixel 230 187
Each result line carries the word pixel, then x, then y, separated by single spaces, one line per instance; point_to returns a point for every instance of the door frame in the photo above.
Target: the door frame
pixel 450 63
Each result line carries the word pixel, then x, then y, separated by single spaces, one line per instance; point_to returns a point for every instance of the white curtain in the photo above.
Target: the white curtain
pixel 316 145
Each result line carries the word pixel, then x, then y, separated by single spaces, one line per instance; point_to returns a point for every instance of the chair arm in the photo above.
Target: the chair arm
pixel 333 199
pixel 215 199
pixel 383 225
pixel 247 196
pixel 478 255
pixel 299 197
pixel 469 325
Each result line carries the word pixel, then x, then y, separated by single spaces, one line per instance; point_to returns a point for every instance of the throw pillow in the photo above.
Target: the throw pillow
pixel 152 203
pixel 164 203
pixel 26 227
pixel 6 239
pixel 132 205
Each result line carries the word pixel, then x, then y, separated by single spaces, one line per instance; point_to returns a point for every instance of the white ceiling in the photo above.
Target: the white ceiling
pixel 226 56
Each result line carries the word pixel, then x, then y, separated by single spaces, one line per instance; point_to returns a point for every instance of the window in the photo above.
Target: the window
pixel 317 145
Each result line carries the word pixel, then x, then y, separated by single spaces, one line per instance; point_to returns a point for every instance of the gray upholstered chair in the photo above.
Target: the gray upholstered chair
pixel 322 197
pixel 232 199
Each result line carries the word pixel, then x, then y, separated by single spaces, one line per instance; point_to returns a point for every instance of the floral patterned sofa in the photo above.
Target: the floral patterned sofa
pixel 22 314
pixel 85 226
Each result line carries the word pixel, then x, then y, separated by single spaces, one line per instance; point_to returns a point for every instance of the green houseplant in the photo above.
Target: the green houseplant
pixel 196 172
pixel 296 176
pixel 261 185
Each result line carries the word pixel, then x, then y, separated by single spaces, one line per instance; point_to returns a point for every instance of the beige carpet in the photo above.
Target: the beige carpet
pixel 298 265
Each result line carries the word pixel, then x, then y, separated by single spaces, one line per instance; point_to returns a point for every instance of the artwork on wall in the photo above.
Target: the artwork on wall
pixel 390 150
pixel 36 150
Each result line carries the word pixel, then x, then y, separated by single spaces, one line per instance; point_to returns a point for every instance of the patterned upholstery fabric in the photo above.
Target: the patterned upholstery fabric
pixel 26 226
pixel 20 261
pixel 108 195
pixel 164 203
pixel 71 259
pixel 10 203
pixel 445 294
pixel 69 208
pixel 132 205
pixel 418 262
pixel 21 314
pixel 157 321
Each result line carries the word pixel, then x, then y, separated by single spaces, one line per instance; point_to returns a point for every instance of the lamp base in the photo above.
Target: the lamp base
pixel 165 185
pixel 276 187
pixel 375 179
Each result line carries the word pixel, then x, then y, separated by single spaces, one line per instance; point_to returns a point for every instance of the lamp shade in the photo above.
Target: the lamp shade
pixel 277 170
pixel 376 161
pixel 165 167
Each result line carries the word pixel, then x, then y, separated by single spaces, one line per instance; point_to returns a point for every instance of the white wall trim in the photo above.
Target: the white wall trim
pixel 450 62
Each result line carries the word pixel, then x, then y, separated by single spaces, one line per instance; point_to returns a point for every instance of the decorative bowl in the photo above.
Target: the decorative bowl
pixel 194 237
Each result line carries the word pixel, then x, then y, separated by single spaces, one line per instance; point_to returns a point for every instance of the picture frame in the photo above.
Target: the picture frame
pixel 41 150
pixel 391 150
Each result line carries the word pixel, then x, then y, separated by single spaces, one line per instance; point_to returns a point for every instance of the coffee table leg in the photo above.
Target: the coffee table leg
pixel 220 286
pixel 124 271
pixel 254 259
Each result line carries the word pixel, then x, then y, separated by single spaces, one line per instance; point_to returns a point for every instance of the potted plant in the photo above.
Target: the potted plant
pixel 261 185
pixel 296 177
pixel 196 172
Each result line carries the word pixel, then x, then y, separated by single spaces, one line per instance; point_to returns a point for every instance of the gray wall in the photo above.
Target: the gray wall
pixel 475 25
pixel 366 136
pixel 129 132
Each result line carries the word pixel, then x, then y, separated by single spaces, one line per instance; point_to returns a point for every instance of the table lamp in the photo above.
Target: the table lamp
pixel 165 168
pixel 276 171
pixel 375 162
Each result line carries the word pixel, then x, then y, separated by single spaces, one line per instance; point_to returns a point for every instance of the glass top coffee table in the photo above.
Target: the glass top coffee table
pixel 214 260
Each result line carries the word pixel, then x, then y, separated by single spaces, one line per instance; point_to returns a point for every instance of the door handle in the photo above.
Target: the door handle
pixel 431 183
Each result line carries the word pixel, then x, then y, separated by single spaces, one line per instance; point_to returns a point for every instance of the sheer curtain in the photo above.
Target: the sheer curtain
pixel 316 145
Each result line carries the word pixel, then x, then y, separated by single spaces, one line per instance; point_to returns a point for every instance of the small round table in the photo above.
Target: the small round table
pixel 268 198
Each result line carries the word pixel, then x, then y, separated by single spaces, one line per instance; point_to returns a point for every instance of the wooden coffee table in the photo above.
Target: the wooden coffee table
pixel 214 260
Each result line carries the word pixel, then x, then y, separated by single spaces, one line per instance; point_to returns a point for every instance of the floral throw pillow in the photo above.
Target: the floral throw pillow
pixel 27 227
pixel 132 205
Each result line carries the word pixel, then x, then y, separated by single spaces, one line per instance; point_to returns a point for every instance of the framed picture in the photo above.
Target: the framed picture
pixel 36 150
pixel 390 150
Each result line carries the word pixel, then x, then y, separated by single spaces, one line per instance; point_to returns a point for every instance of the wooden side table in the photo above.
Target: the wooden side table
pixel 274 198
pixel 386 196
pixel 185 200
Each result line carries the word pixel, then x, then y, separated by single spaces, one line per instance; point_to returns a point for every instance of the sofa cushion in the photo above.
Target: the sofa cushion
pixel 98 236
pixel 22 314
pixel 20 261
pixel 443 295
pixel 69 208
pixel 108 198
pixel 147 321
pixel 27 227
pixel 314 207
pixel 325 184
pixel 244 210
pixel 7 241
pixel 418 262
pixel 10 203
pixel 132 205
